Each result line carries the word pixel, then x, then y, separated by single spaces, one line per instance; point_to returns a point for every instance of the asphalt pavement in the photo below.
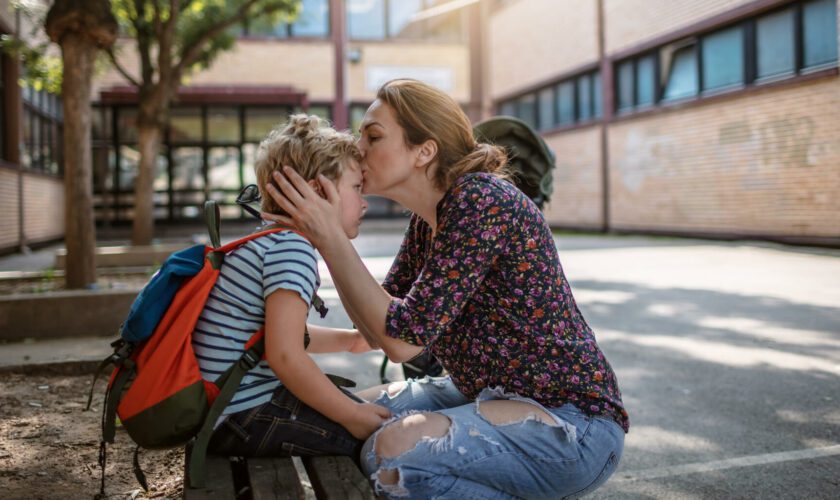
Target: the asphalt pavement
pixel 727 355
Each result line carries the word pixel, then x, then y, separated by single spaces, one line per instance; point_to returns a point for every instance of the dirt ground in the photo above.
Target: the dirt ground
pixel 49 444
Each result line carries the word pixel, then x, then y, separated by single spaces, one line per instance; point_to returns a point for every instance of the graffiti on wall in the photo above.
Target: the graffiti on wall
pixel 752 149
pixel 646 155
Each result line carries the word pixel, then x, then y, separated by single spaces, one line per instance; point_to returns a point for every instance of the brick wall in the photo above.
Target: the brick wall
pixel 43 198
pixel 9 215
pixel 764 163
pixel 630 22
pixel 310 66
pixel 534 40
pixel 576 201
pixel 453 57
pixel 43 210
pixel 304 65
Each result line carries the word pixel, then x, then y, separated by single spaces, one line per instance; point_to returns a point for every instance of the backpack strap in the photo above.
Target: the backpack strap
pixel 228 383
pixel 212 216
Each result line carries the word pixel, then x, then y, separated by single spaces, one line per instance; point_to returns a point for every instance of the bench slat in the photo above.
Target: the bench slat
pixel 337 478
pixel 274 478
pixel 219 481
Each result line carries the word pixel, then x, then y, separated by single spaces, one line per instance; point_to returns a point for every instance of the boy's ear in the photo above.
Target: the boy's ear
pixel 426 152
pixel 313 183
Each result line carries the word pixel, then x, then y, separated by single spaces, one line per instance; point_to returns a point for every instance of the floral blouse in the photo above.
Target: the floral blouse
pixel 487 296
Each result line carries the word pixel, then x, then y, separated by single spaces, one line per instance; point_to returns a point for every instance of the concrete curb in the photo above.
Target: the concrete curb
pixel 76 367
pixel 68 313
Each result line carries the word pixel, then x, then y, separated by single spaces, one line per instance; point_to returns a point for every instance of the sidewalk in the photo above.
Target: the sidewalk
pixel 727 354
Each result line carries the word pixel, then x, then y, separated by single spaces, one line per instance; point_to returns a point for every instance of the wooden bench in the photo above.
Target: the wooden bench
pixel 238 478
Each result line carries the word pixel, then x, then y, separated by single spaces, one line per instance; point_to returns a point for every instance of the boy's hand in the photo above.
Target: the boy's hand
pixel 359 344
pixel 366 418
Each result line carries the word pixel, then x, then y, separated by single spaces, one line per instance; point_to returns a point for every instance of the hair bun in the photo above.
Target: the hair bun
pixel 303 126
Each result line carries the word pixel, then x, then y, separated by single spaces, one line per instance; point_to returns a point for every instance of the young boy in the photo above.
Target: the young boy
pixel 286 405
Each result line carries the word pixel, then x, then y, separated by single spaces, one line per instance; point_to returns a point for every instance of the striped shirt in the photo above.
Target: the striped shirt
pixel 235 309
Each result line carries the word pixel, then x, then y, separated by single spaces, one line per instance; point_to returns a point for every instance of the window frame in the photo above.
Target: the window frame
pixel 570 82
pixel 750 50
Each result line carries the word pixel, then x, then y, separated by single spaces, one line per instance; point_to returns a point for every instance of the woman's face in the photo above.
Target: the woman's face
pixel 388 161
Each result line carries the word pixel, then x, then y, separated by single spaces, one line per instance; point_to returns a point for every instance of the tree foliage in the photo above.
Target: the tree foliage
pixel 42 68
pixel 192 33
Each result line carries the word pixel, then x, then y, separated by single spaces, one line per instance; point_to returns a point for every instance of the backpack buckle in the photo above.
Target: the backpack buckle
pixel 122 351
pixel 249 360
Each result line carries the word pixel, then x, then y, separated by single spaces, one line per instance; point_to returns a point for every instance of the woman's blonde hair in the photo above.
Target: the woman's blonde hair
pixel 307 144
pixel 425 112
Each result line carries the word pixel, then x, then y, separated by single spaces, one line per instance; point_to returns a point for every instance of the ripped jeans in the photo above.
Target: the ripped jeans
pixel 476 459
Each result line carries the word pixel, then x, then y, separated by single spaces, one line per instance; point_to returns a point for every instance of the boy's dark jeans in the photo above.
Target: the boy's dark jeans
pixel 282 427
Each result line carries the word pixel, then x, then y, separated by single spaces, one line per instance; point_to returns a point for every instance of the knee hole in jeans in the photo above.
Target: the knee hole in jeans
pixel 403 435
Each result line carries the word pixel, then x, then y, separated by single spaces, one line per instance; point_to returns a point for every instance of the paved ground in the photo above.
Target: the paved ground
pixel 728 355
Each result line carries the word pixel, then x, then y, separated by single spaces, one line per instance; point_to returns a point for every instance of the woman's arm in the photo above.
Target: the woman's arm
pixel 323 339
pixel 472 232
pixel 365 300
pixel 285 320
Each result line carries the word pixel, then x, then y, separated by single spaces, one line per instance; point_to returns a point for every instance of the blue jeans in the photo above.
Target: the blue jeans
pixel 479 460
pixel 282 427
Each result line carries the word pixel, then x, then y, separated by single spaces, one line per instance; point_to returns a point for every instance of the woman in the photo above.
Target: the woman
pixel 530 408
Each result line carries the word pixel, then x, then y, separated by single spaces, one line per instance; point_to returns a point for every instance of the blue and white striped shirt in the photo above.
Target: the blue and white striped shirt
pixel 235 309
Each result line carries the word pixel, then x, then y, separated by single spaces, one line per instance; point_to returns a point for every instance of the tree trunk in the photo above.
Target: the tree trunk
pixel 78 55
pixel 149 136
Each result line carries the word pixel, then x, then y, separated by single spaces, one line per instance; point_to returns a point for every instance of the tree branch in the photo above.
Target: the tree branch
pixel 157 23
pixel 190 53
pixel 120 69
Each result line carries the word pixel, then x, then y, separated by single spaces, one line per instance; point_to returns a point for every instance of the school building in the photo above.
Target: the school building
pixel 715 118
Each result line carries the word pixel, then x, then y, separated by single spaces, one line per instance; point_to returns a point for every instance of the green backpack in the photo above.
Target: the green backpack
pixel 529 157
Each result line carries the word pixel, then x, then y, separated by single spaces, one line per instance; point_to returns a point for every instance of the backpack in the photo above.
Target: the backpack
pixel 529 157
pixel 156 388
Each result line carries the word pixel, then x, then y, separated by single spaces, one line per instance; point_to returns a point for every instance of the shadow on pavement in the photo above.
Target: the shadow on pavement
pixel 708 376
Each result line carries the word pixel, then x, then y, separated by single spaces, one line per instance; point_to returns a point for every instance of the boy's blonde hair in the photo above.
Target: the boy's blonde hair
pixel 307 144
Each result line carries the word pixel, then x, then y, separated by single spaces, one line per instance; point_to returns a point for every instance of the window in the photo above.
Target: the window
pixel 400 13
pixel 223 125
pixel 775 44
pixel 584 97
pixel 682 73
pixel 207 151
pixel 357 114
pixel 819 25
pixel 380 19
pixel 508 108
pixel 546 108
pixel 723 58
pixel 572 100
pixel 366 19
pixel 566 103
pixel 527 111
pixel 322 111
pixel 597 106
pixel 646 80
pixel 185 126
pixel 314 19
pixel 260 121
pixel 42 129
pixel 784 42
pixel 626 85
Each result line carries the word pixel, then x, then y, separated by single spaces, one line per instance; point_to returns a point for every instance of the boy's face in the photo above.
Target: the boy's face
pixel 353 206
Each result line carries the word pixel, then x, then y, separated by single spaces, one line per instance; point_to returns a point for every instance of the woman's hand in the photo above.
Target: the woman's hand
pixel 318 218
pixel 359 344
pixel 366 418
